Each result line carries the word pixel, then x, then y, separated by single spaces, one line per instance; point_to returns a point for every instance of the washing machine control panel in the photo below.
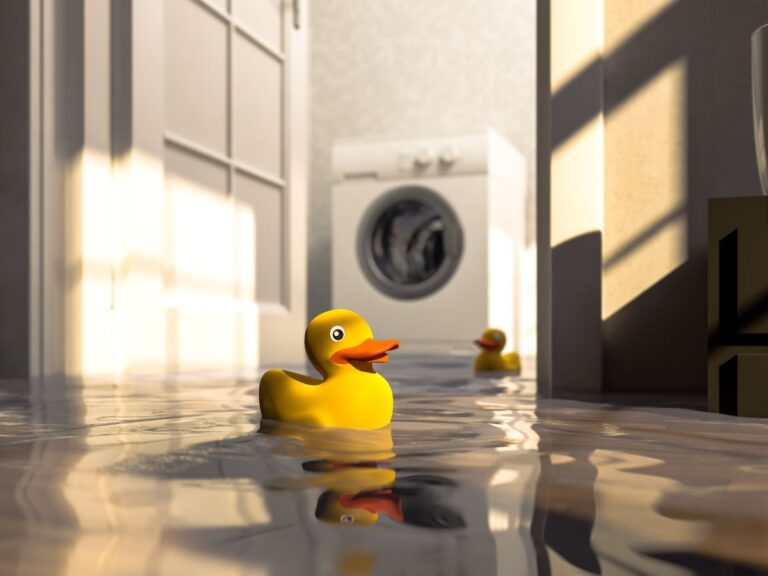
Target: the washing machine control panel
pixel 424 157
pixel 395 158
pixel 449 155
pixel 421 159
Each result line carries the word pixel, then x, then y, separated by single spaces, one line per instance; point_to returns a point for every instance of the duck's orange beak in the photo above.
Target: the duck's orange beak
pixel 368 351
pixel 375 502
pixel 486 343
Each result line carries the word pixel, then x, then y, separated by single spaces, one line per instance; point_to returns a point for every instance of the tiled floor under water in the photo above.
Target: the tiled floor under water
pixel 475 477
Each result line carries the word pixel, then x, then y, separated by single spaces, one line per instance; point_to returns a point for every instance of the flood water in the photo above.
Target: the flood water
pixel 474 477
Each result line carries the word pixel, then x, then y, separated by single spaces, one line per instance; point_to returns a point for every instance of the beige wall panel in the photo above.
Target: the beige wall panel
pixel 623 18
pixel 645 205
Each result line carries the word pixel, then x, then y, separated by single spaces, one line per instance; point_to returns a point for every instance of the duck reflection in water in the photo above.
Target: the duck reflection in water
pixel 418 500
pixel 358 489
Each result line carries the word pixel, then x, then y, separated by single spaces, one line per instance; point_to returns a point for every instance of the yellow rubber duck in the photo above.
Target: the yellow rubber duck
pixel 490 359
pixel 340 345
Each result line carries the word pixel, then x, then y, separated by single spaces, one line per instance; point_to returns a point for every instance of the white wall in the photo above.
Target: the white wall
pixel 415 68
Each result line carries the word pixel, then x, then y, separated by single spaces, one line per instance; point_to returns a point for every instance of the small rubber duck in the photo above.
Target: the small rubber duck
pixel 490 359
pixel 340 345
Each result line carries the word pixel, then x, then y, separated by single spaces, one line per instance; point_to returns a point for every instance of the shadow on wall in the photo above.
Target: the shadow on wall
pixel 657 339
pixel 576 279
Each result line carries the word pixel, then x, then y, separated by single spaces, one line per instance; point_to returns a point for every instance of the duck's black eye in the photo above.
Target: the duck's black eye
pixel 337 333
pixel 346 518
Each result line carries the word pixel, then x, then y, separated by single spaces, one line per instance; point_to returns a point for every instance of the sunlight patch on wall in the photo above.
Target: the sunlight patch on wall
pixel 200 260
pixel 645 234
pixel 577 183
pixel 577 38
pixel 626 17
pixel 245 290
pixel 141 282
pixel 91 330
pixel 161 268
pixel 577 163
pixel 211 298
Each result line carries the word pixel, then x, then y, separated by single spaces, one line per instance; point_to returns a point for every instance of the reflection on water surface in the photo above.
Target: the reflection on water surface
pixel 473 477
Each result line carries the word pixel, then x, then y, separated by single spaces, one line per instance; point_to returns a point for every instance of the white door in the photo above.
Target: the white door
pixel 218 107
pixel 181 188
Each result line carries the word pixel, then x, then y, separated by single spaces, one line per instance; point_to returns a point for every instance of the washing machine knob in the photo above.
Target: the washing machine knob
pixel 449 155
pixel 424 157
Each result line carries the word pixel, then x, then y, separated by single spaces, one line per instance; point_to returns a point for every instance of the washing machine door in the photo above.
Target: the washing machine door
pixel 409 243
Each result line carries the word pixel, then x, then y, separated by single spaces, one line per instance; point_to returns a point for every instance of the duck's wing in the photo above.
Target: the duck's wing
pixel 289 396
pixel 303 378
pixel 512 360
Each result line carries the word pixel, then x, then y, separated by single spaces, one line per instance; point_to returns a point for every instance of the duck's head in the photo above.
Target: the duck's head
pixel 492 339
pixel 340 340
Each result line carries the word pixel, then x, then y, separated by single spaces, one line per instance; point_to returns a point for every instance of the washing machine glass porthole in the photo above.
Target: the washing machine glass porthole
pixel 410 243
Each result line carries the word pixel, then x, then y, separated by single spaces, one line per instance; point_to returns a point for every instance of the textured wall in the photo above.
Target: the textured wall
pixel 673 84
pixel 415 68
pixel 678 132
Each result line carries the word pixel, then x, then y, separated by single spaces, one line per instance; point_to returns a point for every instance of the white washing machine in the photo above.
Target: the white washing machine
pixel 428 238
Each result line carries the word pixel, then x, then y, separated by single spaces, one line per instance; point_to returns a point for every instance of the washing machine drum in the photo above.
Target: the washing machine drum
pixel 409 243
